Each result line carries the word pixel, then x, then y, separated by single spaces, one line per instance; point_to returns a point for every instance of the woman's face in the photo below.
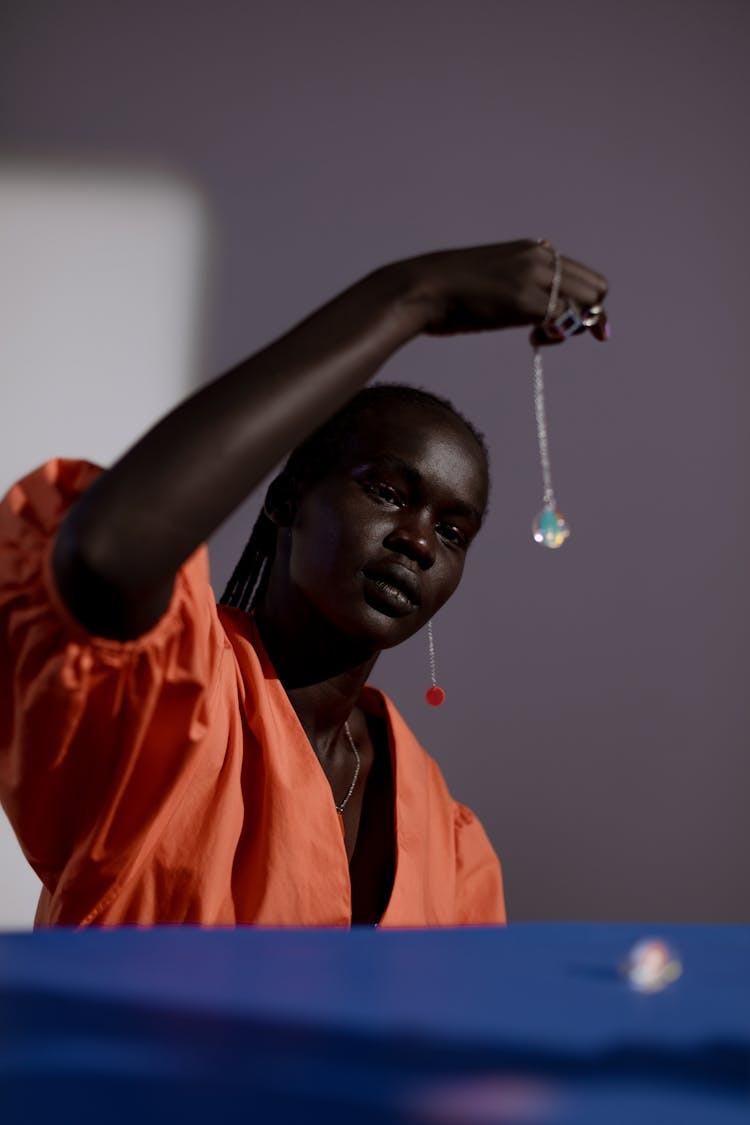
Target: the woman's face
pixel 379 545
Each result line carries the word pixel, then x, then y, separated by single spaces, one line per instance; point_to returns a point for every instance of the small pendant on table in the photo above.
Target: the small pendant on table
pixel 550 528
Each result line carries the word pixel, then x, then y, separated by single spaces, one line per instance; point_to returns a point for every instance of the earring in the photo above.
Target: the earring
pixel 434 695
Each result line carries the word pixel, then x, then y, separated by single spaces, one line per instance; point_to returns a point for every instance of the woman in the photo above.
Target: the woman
pixel 170 761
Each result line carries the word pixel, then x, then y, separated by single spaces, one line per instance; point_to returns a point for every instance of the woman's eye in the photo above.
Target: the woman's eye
pixel 383 492
pixel 453 535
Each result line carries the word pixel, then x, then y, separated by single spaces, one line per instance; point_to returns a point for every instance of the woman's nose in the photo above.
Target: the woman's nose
pixel 415 540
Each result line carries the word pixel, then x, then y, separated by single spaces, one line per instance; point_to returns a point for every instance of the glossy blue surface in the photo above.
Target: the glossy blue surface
pixel 529 1023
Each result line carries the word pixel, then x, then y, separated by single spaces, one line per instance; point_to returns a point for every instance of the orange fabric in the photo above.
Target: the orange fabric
pixel 167 779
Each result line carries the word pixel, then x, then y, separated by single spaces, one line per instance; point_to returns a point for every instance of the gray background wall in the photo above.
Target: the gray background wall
pixel 597 697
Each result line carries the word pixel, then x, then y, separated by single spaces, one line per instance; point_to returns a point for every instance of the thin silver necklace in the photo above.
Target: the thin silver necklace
pixel 340 807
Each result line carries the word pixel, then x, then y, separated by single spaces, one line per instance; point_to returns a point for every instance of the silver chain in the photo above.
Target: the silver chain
pixel 554 292
pixel 355 751
pixel 431 649
pixel 539 409
pixel 541 429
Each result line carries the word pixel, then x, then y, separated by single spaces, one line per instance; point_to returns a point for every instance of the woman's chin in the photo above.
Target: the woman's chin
pixel 388 628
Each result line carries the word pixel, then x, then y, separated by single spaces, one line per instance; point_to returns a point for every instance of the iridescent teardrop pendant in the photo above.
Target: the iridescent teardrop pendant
pixel 434 695
pixel 549 527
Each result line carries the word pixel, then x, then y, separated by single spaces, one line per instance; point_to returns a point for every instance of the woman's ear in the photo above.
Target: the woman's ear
pixel 280 504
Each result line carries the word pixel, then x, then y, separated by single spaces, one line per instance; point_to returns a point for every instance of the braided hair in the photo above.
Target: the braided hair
pixel 308 463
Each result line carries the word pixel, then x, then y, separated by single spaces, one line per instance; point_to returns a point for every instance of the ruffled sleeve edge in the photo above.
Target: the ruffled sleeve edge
pixel 198 561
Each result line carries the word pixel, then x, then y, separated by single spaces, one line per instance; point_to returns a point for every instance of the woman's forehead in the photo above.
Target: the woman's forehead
pixel 430 439
pixel 408 423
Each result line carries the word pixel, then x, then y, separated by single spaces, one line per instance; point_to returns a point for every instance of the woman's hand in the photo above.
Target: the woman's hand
pixel 506 285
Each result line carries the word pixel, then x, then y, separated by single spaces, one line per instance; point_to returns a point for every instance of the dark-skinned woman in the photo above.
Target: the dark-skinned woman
pixel 164 759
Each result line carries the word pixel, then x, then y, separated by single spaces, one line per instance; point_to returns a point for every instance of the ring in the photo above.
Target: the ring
pixel 566 324
pixel 569 321
pixel 572 320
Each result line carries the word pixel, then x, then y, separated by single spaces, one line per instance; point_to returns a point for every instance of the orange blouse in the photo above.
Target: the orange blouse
pixel 167 779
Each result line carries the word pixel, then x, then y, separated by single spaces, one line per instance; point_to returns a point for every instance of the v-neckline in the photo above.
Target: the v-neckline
pixel 372 701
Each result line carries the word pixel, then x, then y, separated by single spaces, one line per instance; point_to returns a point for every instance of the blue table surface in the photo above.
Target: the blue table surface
pixel 367 1022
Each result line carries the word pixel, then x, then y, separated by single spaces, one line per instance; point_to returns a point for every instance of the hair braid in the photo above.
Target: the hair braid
pixel 249 577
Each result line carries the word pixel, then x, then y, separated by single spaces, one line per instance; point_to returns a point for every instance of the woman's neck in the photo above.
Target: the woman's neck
pixel 322 671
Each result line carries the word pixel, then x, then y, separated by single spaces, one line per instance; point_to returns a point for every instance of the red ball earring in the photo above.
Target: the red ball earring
pixel 434 695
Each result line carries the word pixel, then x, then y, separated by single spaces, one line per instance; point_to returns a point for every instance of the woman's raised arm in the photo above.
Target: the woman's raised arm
pixel 119 548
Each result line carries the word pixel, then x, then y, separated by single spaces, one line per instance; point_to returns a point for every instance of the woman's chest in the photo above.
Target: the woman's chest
pixel 368 823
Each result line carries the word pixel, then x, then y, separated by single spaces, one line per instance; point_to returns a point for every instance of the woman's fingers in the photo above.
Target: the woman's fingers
pixel 502 285
pixel 578 283
pixel 600 330
pixel 581 289
pixel 581 285
pixel 540 338
pixel 573 269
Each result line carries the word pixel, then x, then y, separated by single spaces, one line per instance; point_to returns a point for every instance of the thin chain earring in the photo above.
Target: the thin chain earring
pixel 434 694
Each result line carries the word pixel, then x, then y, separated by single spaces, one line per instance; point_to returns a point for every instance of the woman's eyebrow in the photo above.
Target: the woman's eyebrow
pixel 415 478
pixel 390 461
pixel 462 509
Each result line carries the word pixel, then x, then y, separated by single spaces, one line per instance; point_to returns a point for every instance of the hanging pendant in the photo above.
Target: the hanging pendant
pixel 550 528
pixel 435 696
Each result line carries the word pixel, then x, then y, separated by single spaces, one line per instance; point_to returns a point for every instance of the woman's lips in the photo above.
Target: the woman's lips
pixel 394 588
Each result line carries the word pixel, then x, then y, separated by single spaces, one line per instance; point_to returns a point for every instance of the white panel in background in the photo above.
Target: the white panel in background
pixel 102 280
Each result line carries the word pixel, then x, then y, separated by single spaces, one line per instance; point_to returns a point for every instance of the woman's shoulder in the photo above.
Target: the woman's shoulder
pixel 30 514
